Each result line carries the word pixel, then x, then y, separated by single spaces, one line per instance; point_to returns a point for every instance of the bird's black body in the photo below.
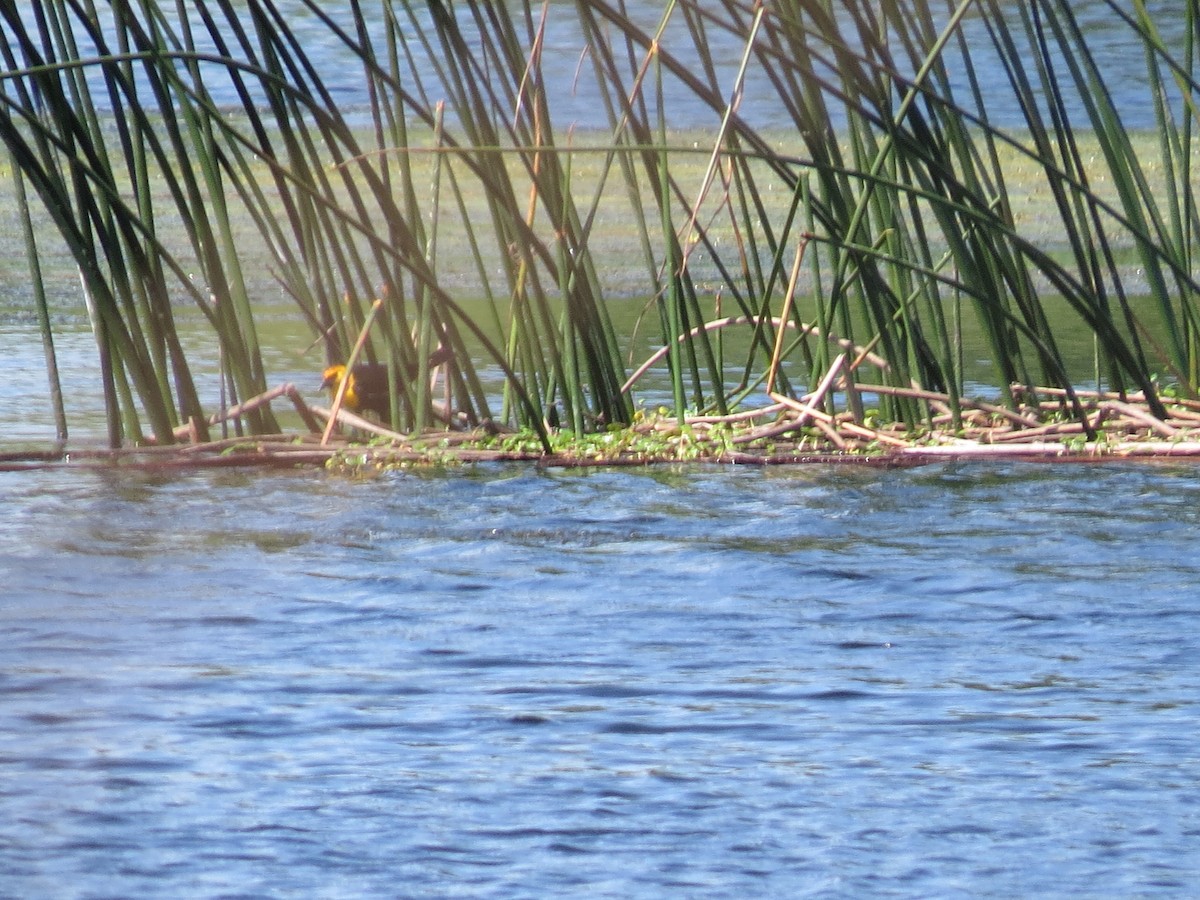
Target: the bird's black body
pixel 367 390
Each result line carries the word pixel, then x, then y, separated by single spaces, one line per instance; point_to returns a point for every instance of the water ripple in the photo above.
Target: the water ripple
pixel 501 682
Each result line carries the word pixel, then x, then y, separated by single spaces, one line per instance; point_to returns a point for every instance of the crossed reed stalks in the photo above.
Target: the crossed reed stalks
pixel 885 211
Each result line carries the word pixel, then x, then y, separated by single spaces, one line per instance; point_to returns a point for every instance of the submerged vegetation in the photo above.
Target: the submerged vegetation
pixel 833 268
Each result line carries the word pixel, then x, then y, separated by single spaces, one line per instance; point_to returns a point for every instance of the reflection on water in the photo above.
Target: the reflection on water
pixel 504 682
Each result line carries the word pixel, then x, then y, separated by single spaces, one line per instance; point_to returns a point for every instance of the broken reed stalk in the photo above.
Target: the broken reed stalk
pixel 777 322
pixel 334 415
pixel 344 383
pixel 288 390
pixel 1142 416
pixel 817 397
pixel 785 315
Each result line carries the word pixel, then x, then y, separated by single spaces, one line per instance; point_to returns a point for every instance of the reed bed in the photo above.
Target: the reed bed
pixel 860 259
pixel 782 432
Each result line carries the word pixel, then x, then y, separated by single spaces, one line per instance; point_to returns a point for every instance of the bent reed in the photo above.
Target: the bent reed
pixel 820 289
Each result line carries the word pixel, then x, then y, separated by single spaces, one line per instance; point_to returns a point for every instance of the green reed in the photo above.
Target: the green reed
pixel 888 217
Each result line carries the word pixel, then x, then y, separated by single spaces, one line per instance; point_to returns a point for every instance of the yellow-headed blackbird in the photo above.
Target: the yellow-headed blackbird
pixel 368 386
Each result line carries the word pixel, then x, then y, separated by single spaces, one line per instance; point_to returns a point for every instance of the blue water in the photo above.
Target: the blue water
pixel 503 682
pixel 576 101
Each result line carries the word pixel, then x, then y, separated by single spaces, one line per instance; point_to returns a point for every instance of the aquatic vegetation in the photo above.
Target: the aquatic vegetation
pixel 1117 428
pixel 457 217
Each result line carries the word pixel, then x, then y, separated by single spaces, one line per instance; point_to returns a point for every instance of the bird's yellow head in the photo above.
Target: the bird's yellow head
pixel 332 377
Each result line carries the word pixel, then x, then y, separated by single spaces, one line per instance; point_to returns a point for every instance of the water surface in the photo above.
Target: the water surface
pixel 1119 54
pixel 504 682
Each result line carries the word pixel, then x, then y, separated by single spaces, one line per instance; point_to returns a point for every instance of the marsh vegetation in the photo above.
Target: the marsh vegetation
pixel 834 274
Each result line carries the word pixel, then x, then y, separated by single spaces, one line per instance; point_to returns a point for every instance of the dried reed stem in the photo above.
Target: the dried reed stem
pixel 340 393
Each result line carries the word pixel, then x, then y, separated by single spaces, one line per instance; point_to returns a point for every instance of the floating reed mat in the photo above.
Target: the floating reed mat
pixel 1044 426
